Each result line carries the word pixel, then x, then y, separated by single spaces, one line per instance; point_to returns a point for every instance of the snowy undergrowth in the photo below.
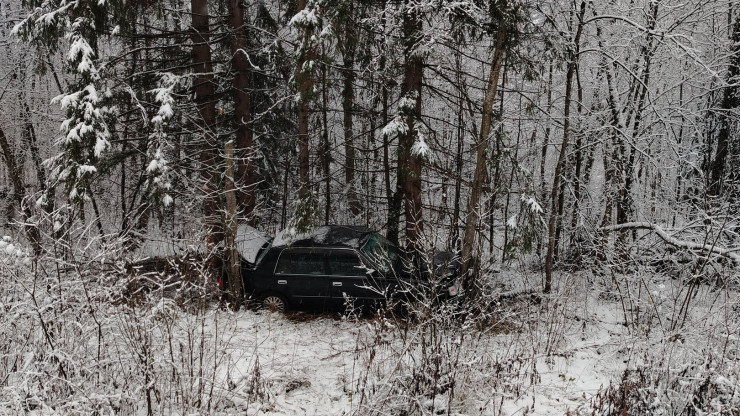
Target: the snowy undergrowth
pixel 600 345
pixel 680 347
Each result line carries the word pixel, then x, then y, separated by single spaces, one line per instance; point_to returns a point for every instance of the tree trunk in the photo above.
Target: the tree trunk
pixel 204 88
pixel 730 101
pixel 579 168
pixel 19 194
pixel 545 147
pixel 552 223
pixel 454 228
pixel 325 145
pixel 392 193
pixel 471 220
pixel 231 225
pixel 244 149
pixel 305 82
pixel 348 102
pixel 410 164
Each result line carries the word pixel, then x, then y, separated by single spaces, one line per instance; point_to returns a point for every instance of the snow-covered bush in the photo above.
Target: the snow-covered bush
pixel 12 255
pixel 655 390
pixel 75 341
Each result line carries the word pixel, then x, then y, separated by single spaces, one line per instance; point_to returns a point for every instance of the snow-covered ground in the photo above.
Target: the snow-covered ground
pixel 320 365
pixel 599 345
pixel 554 356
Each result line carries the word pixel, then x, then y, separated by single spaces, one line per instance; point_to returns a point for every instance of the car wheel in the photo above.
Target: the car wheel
pixel 274 303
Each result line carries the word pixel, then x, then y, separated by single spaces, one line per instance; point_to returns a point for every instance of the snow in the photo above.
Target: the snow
pixel 153 165
pixel 92 93
pixel 248 242
pixel 100 146
pixel 512 222
pixel 72 136
pixel 158 168
pixel 285 237
pixel 420 149
pixel 342 235
pixel 407 103
pixel 12 254
pixel 165 111
pixel 80 49
pixel 322 365
pixel 396 127
pixel 555 356
pixel 532 204
pixel 86 169
pixel 305 18
pixel 67 100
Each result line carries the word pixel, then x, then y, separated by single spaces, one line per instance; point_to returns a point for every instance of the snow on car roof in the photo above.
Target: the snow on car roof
pixel 327 235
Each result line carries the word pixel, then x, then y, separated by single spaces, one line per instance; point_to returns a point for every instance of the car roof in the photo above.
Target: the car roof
pixel 325 236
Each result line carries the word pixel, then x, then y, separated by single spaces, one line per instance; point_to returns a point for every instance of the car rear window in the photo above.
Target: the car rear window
pixel 383 254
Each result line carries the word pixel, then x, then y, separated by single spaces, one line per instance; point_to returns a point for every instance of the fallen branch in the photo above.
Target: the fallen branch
pixel 690 245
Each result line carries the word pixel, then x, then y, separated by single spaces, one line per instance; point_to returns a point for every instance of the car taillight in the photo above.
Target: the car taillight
pixel 452 290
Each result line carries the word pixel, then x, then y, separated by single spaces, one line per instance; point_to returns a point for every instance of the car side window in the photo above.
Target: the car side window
pixel 345 263
pixel 300 262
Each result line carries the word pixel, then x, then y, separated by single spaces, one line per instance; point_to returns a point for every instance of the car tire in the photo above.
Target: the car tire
pixel 273 302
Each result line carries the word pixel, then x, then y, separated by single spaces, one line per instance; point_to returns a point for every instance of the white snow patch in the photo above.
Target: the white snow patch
pixel 532 204
pixel 420 149
pixel 396 127
pixel 305 18
pixel 249 240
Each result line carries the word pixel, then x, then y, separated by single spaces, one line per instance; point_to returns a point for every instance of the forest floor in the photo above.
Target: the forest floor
pixel 316 365
pixel 637 343
pixel 585 350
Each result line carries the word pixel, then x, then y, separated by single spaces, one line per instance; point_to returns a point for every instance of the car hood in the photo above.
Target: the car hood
pixel 249 241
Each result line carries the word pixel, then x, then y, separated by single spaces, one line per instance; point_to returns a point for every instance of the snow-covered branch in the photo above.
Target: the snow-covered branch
pixel 690 245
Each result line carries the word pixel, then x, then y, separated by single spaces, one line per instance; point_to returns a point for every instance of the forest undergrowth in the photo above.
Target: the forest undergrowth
pixel 87 335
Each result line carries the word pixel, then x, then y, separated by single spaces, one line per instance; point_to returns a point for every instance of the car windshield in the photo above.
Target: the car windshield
pixel 263 252
pixel 381 252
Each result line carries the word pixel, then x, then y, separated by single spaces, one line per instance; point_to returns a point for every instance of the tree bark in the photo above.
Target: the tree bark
pixel 349 46
pixel 392 193
pixel 203 87
pixel 19 194
pixel 455 229
pixel 325 145
pixel 305 82
pixel 410 164
pixel 730 100
pixel 472 217
pixel 231 226
pixel 244 149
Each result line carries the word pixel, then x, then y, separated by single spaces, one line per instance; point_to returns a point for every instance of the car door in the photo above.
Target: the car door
pixel 300 275
pixel 350 281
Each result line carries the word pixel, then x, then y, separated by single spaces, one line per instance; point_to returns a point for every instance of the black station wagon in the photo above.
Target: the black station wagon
pixel 336 267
